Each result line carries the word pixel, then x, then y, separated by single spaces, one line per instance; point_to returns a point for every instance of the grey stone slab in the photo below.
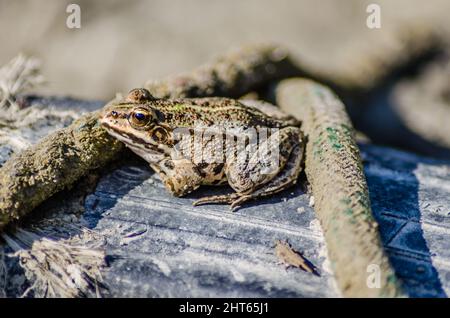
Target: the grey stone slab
pixel 411 200
pixel 205 251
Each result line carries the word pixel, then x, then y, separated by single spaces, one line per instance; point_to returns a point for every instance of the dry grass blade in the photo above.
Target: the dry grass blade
pixel 57 268
pixel 20 74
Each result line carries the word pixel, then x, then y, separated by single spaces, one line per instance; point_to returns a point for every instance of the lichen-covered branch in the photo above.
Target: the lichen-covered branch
pixel 231 75
pixel 32 176
pixel 334 169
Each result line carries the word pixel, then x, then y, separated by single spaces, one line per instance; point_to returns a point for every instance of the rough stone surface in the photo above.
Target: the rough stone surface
pixel 410 200
pixel 163 246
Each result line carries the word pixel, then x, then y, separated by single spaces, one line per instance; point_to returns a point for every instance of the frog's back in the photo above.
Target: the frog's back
pixel 223 112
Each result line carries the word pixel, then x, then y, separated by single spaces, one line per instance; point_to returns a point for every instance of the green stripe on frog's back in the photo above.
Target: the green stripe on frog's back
pixel 213 112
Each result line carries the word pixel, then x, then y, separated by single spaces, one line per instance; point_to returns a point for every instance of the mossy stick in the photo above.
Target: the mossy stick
pixel 230 75
pixel 334 169
pixel 32 176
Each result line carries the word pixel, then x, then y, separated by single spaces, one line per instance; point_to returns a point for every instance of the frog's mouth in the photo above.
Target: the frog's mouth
pixel 133 142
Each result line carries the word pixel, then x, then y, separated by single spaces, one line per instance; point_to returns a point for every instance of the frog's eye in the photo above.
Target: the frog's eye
pixel 140 117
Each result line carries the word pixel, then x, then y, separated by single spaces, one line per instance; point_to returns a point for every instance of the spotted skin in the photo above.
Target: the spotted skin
pixel 206 141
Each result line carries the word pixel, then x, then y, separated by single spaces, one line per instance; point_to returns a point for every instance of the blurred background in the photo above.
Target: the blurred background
pixel 394 80
pixel 122 44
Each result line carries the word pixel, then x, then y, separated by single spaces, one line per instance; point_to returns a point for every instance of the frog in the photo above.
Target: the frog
pixel 151 126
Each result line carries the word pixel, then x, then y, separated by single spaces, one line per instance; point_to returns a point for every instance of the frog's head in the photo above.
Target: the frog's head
pixel 136 122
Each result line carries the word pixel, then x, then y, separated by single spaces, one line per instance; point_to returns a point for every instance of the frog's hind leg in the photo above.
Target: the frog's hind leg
pixel 253 168
pixel 258 176
pixel 283 180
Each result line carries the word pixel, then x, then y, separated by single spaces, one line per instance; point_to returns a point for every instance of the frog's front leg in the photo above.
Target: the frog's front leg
pixel 179 176
pixel 252 178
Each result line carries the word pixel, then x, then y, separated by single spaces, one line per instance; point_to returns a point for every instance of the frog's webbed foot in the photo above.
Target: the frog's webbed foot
pixel 236 204
pixel 234 199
